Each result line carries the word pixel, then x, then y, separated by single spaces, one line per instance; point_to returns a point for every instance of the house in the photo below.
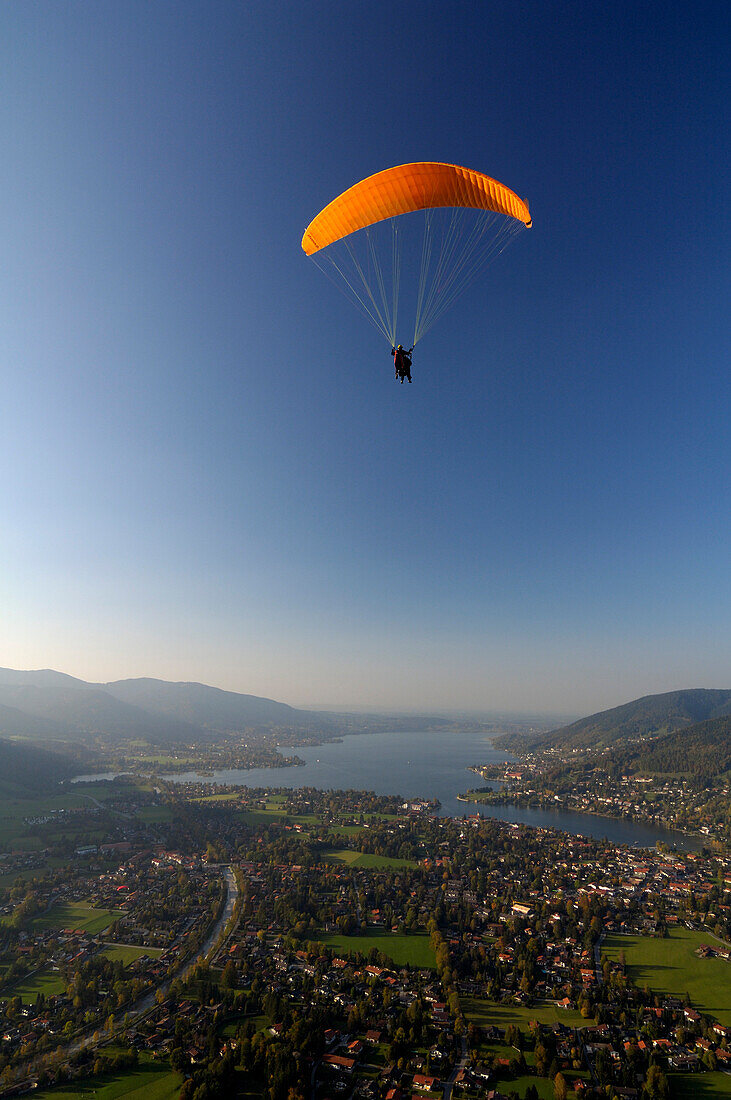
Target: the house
pixel 339 1062
pixel 421 1081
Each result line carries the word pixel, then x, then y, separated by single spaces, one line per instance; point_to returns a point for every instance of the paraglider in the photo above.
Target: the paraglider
pixel 402 362
pixel 437 224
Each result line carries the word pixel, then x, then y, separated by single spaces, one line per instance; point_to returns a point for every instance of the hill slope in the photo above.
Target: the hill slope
pixel 702 750
pixel 27 769
pixel 649 716
pixel 15 722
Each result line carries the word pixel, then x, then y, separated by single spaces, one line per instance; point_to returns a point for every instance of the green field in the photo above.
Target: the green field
pixel 104 789
pixel 14 810
pixel 15 834
pixel 77 914
pixel 48 982
pixel 274 813
pixel 150 1081
pixel 414 950
pixel 520 1084
pixel 128 954
pixel 10 877
pixel 484 1013
pixel 230 1028
pixel 153 815
pixel 20 843
pixel 227 796
pixel 699 1086
pixel 670 966
pixel 276 817
pixel 365 859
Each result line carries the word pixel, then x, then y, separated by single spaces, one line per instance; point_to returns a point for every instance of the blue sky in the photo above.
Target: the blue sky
pixel 209 473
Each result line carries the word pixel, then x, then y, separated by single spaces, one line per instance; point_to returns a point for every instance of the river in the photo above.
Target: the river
pixel 428 764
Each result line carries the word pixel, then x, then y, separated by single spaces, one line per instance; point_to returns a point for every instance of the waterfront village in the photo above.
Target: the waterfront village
pixel 553 779
pixel 302 944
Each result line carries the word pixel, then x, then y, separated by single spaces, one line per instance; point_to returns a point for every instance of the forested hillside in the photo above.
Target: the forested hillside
pixel 703 750
pixel 649 716
pixel 26 769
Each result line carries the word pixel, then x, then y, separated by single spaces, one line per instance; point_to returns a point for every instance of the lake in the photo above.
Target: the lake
pixel 430 764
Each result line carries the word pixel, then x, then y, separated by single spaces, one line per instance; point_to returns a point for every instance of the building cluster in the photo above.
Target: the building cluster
pixel 424 955
pixel 550 779
pixel 156 904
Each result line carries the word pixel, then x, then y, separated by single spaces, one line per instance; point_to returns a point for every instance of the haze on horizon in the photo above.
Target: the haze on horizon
pixel 208 472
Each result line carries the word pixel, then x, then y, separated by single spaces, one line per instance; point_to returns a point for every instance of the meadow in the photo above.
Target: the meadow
pixel 149 1081
pixel 128 954
pixel 153 815
pixel 276 817
pixel 365 859
pixel 484 1013
pixel 230 1028
pixel 414 949
pixel 699 1086
pixel 78 915
pixel 48 982
pixel 671 966
pixel 16 835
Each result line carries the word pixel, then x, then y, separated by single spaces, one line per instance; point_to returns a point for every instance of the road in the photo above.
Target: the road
pixel 449 1083
pixel 232 893
pixel 598 958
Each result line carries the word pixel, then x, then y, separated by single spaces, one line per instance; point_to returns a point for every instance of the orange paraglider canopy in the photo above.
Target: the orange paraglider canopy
pixel 406 188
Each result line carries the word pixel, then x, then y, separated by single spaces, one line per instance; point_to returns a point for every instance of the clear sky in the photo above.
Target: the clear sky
pixel 208 471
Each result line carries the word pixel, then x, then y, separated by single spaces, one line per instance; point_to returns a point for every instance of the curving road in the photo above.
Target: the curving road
pixel 232 893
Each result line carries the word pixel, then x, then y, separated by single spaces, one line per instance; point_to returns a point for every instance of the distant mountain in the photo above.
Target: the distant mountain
pixel 205 706
pixel 88 710
pixel 43 677
pixel 49 704
pixel 642 718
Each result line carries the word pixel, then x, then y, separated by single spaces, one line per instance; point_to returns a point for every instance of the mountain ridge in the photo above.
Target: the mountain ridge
pixel 57 706
pixel 640 719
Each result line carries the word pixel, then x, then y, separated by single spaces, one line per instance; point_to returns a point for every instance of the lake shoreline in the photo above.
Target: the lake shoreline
pixel 526 803
pixel 428 764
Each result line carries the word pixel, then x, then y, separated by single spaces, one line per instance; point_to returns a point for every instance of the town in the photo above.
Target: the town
pixel 283 944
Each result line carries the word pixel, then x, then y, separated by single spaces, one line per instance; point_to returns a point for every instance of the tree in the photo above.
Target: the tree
pixel 229 976
pixel 656 1084
pixel 560 1089
pixel 179 1061
pixel 513 1036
